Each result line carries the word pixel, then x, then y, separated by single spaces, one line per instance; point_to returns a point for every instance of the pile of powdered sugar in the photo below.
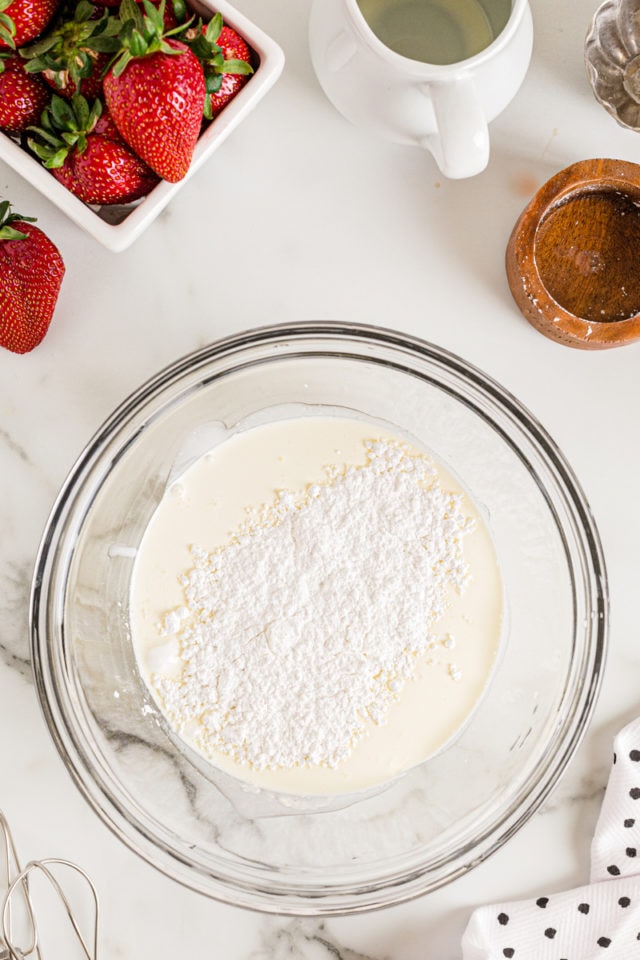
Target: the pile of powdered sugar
pixel 310 620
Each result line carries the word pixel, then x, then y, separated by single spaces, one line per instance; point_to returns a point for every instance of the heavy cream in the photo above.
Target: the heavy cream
pixel 316 606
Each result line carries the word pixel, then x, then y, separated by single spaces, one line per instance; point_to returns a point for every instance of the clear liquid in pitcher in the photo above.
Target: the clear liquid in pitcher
pixel 436 31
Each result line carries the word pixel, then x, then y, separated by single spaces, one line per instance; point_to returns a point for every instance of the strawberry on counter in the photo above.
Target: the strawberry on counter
pixel 31 272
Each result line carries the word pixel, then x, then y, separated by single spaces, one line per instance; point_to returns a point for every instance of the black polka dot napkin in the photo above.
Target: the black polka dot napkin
pixel 600 921
pixel 615 850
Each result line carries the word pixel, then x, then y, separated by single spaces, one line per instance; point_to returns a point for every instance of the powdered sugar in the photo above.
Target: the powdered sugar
pixel 312 618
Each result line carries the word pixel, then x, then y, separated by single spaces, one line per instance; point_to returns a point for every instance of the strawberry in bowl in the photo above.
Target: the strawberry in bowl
pixel 82 147
pixel 23 20
pixel 155 91
pixel 73 55
pixel 226 61
pixel 22 97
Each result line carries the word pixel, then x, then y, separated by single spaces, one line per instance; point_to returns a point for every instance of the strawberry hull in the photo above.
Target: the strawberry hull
pixel 117 227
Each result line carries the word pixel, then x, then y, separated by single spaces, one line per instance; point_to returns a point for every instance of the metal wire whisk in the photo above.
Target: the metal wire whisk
pixel 17 886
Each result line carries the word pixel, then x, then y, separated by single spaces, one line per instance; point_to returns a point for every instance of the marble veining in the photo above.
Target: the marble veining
pixel 13 447
pixel 15 586
pixel 306 940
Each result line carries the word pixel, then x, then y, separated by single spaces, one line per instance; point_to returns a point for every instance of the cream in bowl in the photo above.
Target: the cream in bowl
pixel 316 605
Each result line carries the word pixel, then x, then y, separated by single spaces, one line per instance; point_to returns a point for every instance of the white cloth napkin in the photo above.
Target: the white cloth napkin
pixel 600 921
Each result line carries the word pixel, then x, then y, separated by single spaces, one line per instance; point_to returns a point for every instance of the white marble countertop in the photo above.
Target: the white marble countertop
pixel 300 216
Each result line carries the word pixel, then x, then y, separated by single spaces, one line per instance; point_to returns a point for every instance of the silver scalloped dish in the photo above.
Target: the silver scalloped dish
pixel 612 59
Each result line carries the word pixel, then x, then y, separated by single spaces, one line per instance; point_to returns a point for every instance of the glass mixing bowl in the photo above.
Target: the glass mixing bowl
pixel 311 856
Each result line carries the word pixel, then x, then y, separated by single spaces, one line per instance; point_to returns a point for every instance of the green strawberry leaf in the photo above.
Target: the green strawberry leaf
pixel 81 109
pixel 179 10
pixel 129 10
pixel 84 11
pixel 107 26
pixel 39 47
pixel 212 82
pixel 81 67
pixel 9 233
pixel 37 65
pixel 154 19
pixel 119 64
pixel 62 113
pixel 237 67
pixel 49 139
pixel 105 43
pixel 57 159
pixel 214 28
pixel 138 46
pixel 7 30
pixel 204 50
pixel 51 159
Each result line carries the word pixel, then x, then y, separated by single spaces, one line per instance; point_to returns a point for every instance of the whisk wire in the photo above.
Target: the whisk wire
pixel 12 868
pixel 18 882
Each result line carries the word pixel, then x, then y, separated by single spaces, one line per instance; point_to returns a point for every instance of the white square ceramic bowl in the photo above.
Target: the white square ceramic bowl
pixel 118 227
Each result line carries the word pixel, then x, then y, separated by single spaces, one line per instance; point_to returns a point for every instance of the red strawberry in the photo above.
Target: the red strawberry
pixel 107 128
pixel 24 20
pixel 155 92
pixel 86 154
pixel 73 55
pixel 106 172
pixel 31 272
pixel 22 98
pixel 226 61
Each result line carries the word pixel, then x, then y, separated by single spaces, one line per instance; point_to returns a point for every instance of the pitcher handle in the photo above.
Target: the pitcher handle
pixel 460 145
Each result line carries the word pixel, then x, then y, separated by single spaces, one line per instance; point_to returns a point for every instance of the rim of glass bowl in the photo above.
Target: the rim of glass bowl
pixel 255 888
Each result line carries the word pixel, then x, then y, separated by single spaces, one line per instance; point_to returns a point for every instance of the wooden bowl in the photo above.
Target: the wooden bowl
pixel 573 258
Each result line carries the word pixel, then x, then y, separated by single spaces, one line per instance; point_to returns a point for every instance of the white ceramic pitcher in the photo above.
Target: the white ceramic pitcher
pixel 443 108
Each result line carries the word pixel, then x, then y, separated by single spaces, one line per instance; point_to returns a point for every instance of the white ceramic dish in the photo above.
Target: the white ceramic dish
pixel 118 227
